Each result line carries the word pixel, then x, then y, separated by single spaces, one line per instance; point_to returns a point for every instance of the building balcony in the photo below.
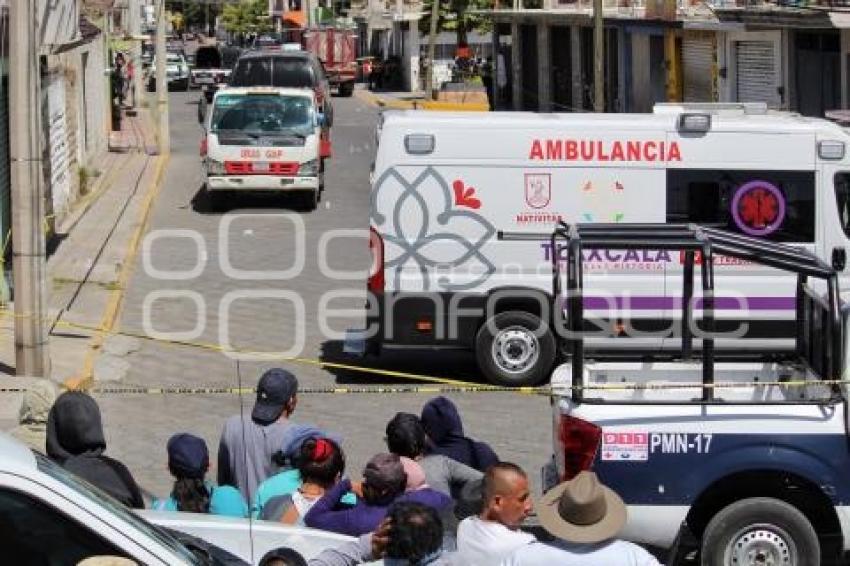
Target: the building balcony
pixel 628 9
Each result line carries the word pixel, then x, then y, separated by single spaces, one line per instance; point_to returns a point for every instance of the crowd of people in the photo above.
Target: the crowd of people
pixel 435 497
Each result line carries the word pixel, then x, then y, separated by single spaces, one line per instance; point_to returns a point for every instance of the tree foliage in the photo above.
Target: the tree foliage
pixel 459 16
pixel 247 16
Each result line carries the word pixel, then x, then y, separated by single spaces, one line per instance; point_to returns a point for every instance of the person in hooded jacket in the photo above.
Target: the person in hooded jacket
pixel 444 428
pixel 75 441
pixel 32 427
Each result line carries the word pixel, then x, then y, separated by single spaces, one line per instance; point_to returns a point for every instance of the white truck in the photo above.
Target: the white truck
pixel 49 516
pixel 745 462
pixel 445 184
pixel 263 139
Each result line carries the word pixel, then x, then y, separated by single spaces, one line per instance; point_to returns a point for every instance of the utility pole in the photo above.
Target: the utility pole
pixel 136 32
pixel 163 134
pixel 32 357
pixel 432 41
pixel 598 58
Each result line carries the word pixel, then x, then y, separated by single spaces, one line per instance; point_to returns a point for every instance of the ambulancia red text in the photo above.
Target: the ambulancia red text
pixel 598 150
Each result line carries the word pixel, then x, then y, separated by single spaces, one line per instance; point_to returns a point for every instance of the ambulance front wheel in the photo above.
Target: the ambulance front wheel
pixel 514 349
pixel 760 530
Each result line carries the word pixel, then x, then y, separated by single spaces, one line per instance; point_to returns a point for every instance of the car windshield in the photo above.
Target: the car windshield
pixel 174 59
pixel 265 114
pixel 101 499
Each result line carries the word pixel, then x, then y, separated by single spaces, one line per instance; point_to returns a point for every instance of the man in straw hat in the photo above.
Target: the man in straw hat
pixel 585 517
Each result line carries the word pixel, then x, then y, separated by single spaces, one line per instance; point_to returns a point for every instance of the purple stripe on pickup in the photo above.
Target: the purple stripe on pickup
pixel 720 303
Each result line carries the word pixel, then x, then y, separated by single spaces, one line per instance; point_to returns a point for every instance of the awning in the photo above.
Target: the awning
pixel 295 18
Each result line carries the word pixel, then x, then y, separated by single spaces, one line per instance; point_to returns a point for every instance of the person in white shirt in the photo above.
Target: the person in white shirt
pixel 585 517
pixel 492 536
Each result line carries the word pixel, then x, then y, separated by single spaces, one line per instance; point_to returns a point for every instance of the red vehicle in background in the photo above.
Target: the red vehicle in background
pixel 336 48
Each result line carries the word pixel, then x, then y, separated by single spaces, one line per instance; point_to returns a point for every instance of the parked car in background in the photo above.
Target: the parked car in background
pixel 177 72
pixel 268 41
pixel 209 72
pixel 49 516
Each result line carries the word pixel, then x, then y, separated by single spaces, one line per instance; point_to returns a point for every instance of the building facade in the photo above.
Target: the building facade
pixel 788 56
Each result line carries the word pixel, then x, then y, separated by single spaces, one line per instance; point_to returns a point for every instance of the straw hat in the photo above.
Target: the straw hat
pixel 582 510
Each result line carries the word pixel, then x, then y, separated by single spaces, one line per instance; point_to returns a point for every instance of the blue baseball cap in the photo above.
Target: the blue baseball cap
pixel 188 456
pixel 277 386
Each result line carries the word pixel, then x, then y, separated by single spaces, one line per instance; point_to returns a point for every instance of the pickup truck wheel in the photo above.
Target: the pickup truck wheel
pixel 515 349
pixel 760 531
pixel 346 89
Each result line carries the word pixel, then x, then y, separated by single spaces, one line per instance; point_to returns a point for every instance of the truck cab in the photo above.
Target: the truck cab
pixel 743 461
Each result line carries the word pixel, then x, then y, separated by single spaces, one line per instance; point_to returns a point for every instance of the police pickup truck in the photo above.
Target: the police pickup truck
pixel 734 460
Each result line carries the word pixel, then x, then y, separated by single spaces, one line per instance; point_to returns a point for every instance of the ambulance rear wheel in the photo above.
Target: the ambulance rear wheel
pixel 760 530
pixel 515 349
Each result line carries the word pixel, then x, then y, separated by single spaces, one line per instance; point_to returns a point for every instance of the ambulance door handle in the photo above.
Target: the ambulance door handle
pixel 839 259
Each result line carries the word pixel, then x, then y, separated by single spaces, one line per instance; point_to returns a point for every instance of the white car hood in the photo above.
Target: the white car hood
pixel 238 536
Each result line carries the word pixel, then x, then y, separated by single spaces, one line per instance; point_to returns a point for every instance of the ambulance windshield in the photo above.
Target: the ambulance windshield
pixel 263 114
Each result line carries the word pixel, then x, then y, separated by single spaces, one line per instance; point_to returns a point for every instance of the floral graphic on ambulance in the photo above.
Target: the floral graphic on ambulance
pixel 602 202
pixel 432 229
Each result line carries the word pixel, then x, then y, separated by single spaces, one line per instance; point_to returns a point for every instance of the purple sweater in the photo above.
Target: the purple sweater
pixel 363 518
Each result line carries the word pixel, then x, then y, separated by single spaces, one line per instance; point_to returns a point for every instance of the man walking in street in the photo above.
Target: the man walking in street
pixel 585 517
pixel 495 534
pixel 247 444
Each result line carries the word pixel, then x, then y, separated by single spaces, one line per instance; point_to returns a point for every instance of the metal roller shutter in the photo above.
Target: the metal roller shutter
pixel 698 61
pixel 756 75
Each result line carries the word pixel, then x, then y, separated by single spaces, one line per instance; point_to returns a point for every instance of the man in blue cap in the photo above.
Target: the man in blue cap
pixel 247 444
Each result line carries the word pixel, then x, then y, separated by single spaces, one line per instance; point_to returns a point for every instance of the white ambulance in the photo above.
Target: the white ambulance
pixel 263 139
pixel 448 186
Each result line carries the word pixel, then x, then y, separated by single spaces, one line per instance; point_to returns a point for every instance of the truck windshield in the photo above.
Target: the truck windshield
pixel 262 114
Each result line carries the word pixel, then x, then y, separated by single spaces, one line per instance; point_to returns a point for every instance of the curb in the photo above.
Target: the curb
pixel 116 300
pixel 432 105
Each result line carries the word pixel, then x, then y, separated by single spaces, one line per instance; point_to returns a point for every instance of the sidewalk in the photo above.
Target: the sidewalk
pixel 414 101
pixel 98 242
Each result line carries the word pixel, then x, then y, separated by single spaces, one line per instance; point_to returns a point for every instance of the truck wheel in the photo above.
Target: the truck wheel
pixel 346 89
pixel 513 350
pixel 760 530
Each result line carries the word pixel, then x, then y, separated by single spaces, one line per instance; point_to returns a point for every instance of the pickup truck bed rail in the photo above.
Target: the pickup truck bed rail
pixel 818 340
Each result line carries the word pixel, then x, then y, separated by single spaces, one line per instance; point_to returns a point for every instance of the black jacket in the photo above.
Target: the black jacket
pixel 75 441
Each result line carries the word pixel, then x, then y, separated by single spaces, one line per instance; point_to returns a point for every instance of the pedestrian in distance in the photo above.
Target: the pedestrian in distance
pixel 119 77
pixel 32 418
pixel 494 534
pixel 283 556
pixel 188 462
pixel 248 442
pixel 76 442
pixel 585 517
pixel 384 482
pixel 444 427
pixel 320 466
pixel 410 535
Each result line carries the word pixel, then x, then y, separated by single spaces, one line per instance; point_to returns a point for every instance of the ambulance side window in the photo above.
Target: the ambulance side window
pixel 842 200
pixel 775 205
